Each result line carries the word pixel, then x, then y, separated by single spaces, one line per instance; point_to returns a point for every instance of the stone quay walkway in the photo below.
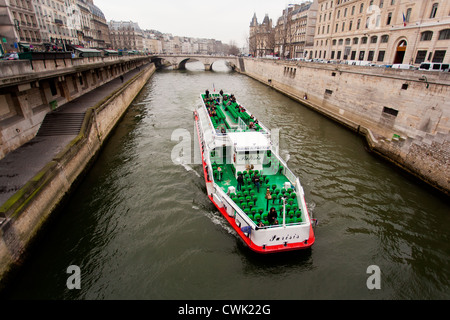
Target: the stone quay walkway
pixel 21 165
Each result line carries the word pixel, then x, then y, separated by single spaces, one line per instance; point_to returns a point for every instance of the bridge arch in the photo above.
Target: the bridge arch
pixel 178 62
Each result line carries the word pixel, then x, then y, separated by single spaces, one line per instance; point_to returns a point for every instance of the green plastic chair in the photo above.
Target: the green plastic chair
pixel 274 198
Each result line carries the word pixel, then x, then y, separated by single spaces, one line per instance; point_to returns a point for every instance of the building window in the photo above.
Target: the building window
pixel 371 55
pixel 381 56
pixel 390 111
pixel 363 40
pixel 373 39
pixel 343 26
pixel 355 40
pixel 361 55
pixel 341 42
pixel 439 56
pixel 421 55
pixel 408 15
pixel 338 55
pixel 347 41
pixel 384 38
pixel 53 88
pixel 361 9
pixel 334 42
pixel 381 3
pixel 444 34
pixel 350 26
pixel 433 11
pixel 389 18
pixel 426 36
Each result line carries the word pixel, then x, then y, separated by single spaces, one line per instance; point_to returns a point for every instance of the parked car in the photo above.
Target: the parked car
pixel 403 66
pixel 11 56
pixel 429 66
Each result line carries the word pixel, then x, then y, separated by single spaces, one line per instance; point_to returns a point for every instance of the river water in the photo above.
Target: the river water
pixel 140 226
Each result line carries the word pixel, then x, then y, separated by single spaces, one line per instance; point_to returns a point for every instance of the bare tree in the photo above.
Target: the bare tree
pixel 233 48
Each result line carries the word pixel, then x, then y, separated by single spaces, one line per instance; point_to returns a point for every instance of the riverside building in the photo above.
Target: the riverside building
pixel 18 25
pixel 126 35
pixel 383 31
pixel 262 37
pixel 294 32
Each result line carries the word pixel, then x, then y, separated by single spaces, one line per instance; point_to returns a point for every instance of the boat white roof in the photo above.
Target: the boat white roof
pixel 247 141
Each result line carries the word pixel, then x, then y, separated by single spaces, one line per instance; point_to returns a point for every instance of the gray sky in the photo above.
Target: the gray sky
pixel 223 20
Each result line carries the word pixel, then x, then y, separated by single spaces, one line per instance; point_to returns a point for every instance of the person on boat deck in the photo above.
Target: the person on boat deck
pixel 207 93
pixel 223 131
pixel 219 173
pixel 256 181
pixel 221 92
pixel 251 126
pixel 261 224
pixel 273 216
pixel 268 197
pixel 240 181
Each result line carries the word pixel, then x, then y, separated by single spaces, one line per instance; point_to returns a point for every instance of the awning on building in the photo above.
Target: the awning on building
pixel 83 52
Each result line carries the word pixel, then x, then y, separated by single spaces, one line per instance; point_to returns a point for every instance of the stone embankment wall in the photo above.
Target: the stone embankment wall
pixel 30 207
pixel 29 89
pixel 404 114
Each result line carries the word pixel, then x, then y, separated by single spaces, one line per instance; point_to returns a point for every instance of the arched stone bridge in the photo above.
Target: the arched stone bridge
pixel 178 61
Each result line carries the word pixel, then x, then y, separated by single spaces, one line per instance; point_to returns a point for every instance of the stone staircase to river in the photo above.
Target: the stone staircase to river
pixel 61 123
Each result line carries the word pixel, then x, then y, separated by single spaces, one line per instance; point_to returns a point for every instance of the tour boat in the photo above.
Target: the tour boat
pixel 234 143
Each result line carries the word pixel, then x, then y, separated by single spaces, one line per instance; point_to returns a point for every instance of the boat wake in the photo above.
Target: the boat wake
pixel 188 168
pixel 286 156
pixel 219 221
